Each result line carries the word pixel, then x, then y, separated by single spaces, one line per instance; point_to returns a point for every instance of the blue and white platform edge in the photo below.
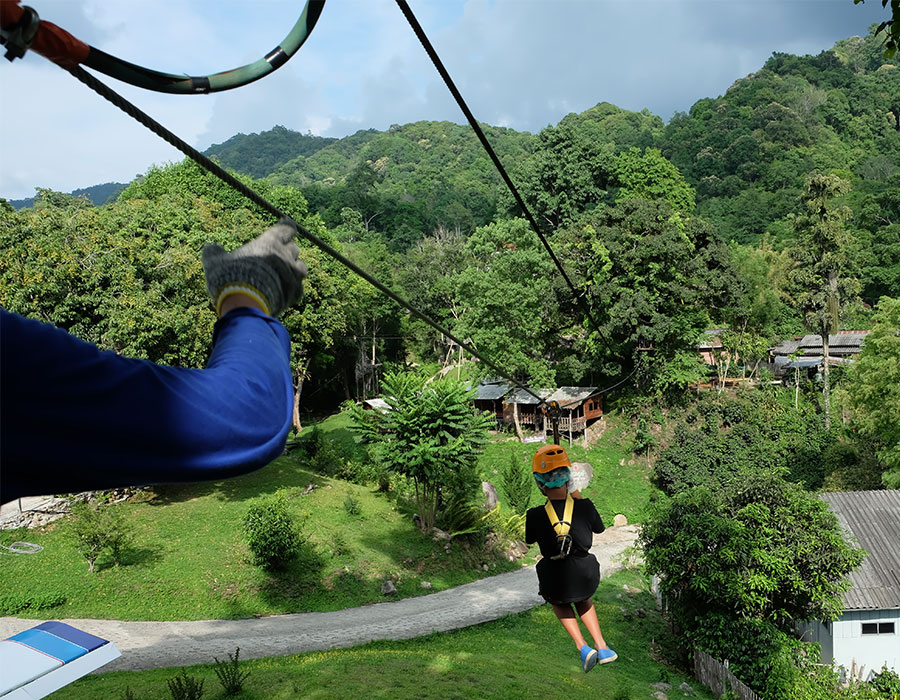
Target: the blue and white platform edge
pixel 43 659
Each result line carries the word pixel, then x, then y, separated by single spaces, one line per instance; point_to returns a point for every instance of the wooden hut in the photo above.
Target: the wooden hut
pixel 489 397
pixel 581 405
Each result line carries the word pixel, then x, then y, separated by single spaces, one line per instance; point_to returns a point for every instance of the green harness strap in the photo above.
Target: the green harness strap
pixel 562 526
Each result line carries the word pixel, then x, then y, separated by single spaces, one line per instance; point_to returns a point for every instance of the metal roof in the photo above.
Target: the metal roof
pixel 523 398
pixel 873 518
pixel 844 341
pixel 491 392
pixel 567 395
pixel 787 347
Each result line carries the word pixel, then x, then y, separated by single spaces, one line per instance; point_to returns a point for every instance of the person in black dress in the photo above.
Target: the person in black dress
pixel 568 574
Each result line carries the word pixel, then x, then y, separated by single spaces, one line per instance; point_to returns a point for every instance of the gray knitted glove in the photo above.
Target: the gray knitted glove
pixel 267 269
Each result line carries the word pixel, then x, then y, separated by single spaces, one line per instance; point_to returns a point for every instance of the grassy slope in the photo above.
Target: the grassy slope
pixel 520 656
pixel 190 561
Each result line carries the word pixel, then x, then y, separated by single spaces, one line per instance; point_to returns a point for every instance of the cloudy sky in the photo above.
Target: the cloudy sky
pixel 519 63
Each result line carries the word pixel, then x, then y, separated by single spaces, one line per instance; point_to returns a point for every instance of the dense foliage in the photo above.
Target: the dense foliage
pixel 429 434
pixel 273 535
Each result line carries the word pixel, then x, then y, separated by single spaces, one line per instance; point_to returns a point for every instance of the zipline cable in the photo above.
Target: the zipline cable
pixel 136 113
pixel 448 81
pixel 23 29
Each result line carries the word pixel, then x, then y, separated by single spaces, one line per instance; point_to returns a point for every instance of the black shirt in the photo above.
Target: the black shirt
pixel 574 578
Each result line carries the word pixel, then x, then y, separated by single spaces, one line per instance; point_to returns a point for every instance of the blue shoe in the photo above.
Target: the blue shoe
pixel 588 658
pixel 606 655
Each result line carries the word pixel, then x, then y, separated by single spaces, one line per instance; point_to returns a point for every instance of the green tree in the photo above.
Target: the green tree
pixel 874 388
pixel 567 173
pixel 648 175
pixel 651 279
pixel 759 547
pixel 890 27
pixel 430 434
pixel 822 275
pixel 507 296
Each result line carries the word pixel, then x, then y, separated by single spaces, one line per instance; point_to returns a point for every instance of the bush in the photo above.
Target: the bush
pixel 97 529
pixel 516 484
pixel 185 687
pixel 272 534
pixel 351 505
pixel 460 516
pixel 230 675
pixel 508 528
pixel 14 603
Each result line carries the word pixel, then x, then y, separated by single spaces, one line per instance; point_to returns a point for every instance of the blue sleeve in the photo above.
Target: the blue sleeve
pixel 75 418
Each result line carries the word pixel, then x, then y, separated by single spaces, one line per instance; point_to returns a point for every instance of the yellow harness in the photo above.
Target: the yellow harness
pixel 562 527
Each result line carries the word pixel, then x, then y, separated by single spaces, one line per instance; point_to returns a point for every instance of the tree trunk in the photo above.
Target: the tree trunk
pixel 519 432
pixel 299 378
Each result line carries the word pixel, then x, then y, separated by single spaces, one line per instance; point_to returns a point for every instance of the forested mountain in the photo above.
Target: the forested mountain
pixel 748 151
pixel 96 194
pixel 723 218
pixel 261 154
pixel 409 180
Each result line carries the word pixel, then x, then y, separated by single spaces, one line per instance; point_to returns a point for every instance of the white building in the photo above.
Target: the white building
pixel 867 635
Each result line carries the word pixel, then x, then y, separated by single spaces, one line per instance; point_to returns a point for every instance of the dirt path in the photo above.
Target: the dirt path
pixel 165 644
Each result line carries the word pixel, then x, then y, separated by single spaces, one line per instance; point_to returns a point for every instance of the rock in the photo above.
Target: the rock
pixel 438 535
pixel 484 567
pixel 490 495
pixel 388 588
pixel 630 590
pixel 687 689
pixel 661 686
pixel 417 521
pixel 622 462
pixel 426 585
pixel 620 520
pixel 640 612
pixel 659 695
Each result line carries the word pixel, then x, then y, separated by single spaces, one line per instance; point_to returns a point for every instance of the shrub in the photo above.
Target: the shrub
pixel 185 687
pixel 516 484
pixel 887 682
pixel 230 675
pixel 351 505
pixel 14 603
pixel 508 528
pixel 272 533
pixel 460 516
pixel 97 529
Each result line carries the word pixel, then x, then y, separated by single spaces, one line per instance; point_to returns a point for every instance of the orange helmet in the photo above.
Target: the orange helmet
pixel 548 458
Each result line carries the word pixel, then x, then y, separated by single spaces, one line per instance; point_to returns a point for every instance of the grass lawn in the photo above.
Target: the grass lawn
pixel 525 656
pixel 189 560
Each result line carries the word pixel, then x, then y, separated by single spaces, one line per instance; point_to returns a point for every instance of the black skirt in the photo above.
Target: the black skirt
pixel 569 580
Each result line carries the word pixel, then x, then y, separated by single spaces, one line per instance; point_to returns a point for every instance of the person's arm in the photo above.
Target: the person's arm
pixel 594 517
pixel 75 418
pixel 530 527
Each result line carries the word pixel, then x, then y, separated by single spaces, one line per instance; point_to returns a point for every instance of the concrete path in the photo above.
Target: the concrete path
pixel 166 644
